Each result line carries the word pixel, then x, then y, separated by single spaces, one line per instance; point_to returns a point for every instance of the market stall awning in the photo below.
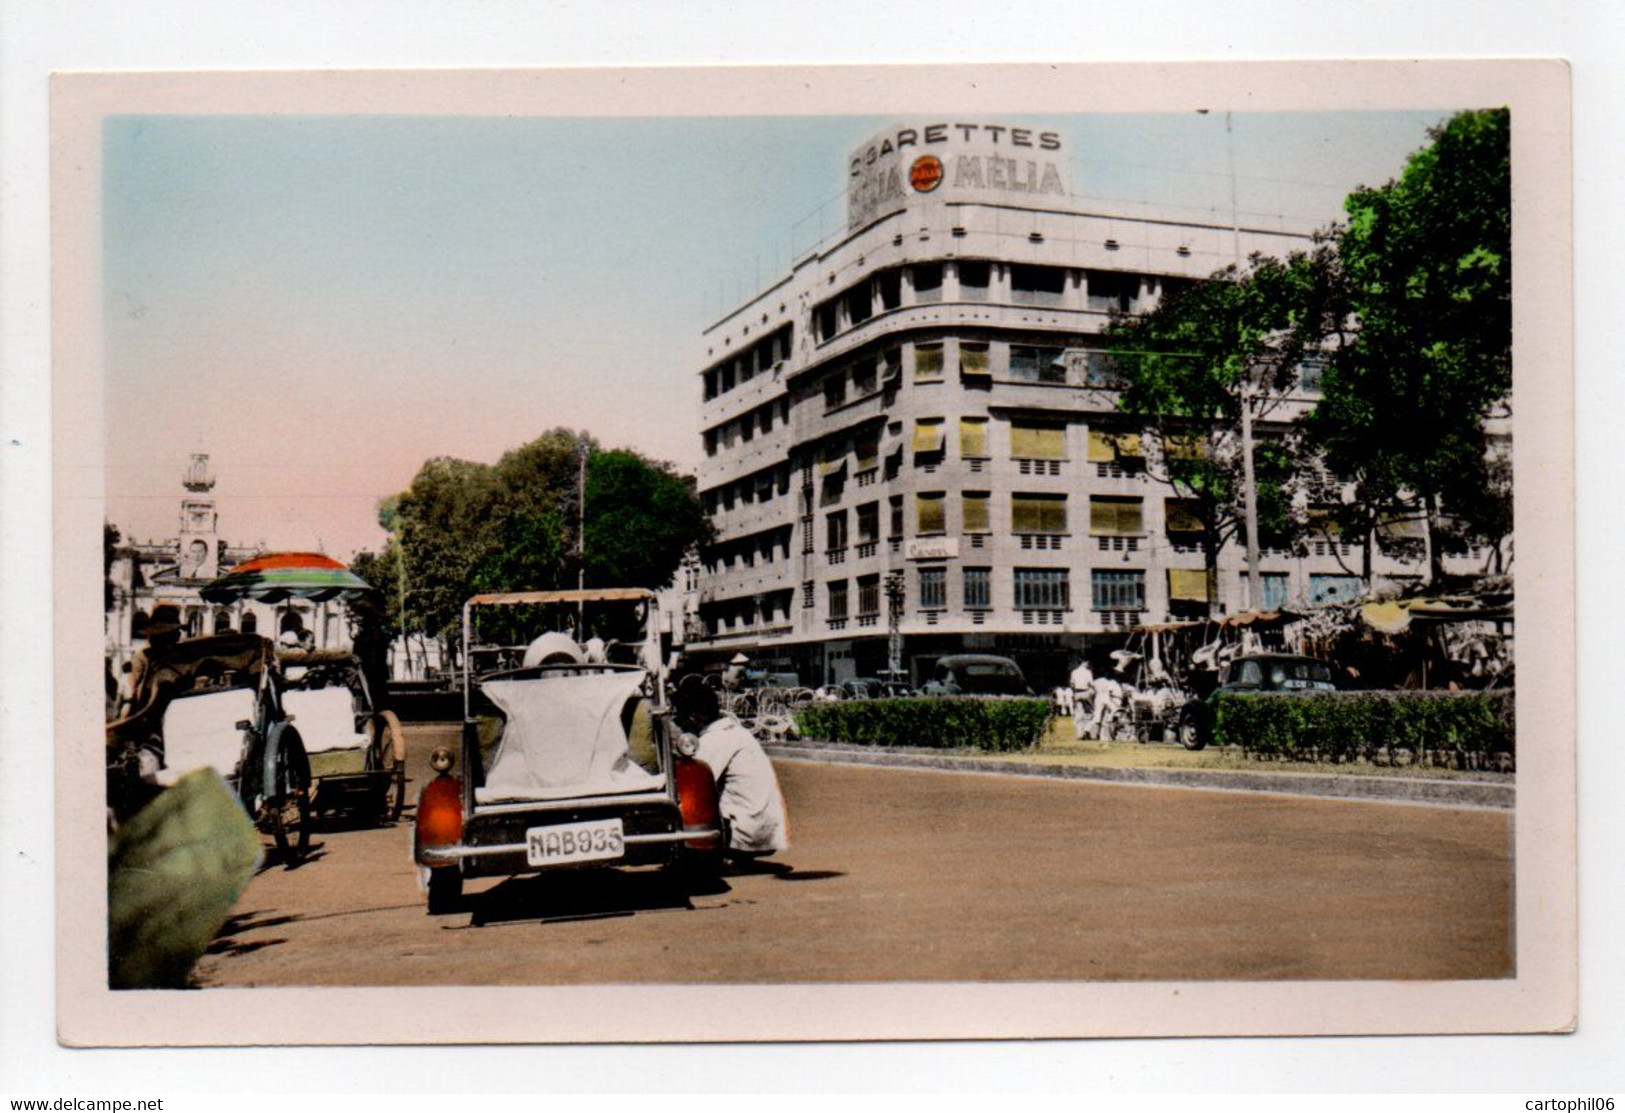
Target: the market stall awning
pixel 278 577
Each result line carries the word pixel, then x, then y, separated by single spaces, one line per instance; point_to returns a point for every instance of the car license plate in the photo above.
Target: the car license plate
pixel 594 841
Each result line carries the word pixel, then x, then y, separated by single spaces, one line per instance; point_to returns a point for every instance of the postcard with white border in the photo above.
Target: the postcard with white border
pixel 835 553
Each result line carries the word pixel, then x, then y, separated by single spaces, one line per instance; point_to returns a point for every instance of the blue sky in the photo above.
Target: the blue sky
pixel 322 303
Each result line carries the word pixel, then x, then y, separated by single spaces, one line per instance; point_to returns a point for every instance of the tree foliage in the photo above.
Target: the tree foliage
pixel 464 527
pixel 1410 304
pixel 1190 365
pixel 1427 263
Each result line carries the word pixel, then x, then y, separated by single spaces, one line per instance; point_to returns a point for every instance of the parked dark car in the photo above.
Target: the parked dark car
pixel 873 687
pixel 1259 672
pixel 976 674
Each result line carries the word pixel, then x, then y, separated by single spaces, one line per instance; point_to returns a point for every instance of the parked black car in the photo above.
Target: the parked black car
pixel 1260 672
pixel 976 674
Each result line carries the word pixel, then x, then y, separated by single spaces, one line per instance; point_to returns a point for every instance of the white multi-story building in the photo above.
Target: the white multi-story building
pixel 921 398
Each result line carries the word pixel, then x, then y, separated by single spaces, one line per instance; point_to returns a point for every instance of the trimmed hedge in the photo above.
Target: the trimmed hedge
pixel 939 723
pixel 1466 728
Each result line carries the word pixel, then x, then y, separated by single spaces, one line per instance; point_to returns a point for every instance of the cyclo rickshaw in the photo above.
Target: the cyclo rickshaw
pixel 357 752
pixel 567 761
pixel 213 702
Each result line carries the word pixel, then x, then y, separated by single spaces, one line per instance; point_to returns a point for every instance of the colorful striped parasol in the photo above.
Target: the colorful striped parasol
pixel 277 577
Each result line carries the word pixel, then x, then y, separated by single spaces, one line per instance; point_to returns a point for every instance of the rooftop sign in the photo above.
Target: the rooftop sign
pixel 962 161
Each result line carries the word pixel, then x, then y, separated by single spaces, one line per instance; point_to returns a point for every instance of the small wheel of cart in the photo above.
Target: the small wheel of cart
pixel 1190 731
pixel 289 821
pixel 389 754
pixel 286 809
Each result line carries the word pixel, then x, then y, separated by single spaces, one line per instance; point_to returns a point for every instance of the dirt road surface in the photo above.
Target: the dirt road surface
pixel 898 874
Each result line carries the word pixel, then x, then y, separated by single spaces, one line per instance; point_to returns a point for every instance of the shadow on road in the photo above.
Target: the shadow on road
pixel 274 859
pixel 578 895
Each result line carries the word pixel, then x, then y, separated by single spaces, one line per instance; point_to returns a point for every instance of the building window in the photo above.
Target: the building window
pixel 807 594
pixel 1183 518
pixel 975 504
pixel 930 433
pixel 837 600
pixel 865 378
pixel 866 447
pixel 1118 591
pixel 825 320
pixel 1044 286
pixel 1276 590
pixel 973 438
pixel 1114 448
pixel 1036 365
pixel 973 362
pixel 1188 589
pixel 974 275
pixel 896 516
pixel 933 588
pixel 1115 517
pixel 1108 290
pixel 978 589
pixel 250 623
pixel 835 390
pixel 859 304
pixel 1037 441
pixel 890 286
pixel 1038 513
pixel 927 282
pixel 868 523
pixel 1324 588
pixel 1102 372
pixel 835 532
pixel 1041 589
pixel 929 518
pixel 927 363
pixel 1310 372
pixel 868 596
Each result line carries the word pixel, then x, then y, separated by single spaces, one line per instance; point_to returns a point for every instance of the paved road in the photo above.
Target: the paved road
pixel 916 875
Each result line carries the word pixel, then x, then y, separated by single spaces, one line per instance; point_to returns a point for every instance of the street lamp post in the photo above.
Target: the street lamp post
pixel 894 623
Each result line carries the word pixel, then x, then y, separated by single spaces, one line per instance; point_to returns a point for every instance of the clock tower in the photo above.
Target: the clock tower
pixel 199 538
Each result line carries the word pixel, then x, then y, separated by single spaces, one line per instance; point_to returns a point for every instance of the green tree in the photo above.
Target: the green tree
pixel 1188 366
pixel 1427 263
pixel 464 528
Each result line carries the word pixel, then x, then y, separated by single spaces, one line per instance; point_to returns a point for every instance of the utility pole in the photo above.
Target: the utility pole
pixel 1255 587
pixel 581 541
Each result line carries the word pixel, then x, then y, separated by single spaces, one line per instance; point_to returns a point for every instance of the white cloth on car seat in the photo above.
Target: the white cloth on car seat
pixel 201 730
pixel 564 738
pixel 325 719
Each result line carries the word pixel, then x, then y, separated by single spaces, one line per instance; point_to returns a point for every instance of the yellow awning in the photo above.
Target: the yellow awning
pixel 929 516
pixel 1037 442
pixel 976 515
pixel 1110 517
pixel 831 458
pixel 1188 585
pixel 928 361
pixel 1038 514
pixel 867 451
pixel 972 437
pixel 929 434
pixel 973 361
pixel 1185 446
pixel 1105 447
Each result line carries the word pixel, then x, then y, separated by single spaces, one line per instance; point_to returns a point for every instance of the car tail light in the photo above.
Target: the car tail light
pixel 439 817
pixel 697 800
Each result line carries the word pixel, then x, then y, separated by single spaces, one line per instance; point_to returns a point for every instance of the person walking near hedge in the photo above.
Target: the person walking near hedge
pixel 1083 686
